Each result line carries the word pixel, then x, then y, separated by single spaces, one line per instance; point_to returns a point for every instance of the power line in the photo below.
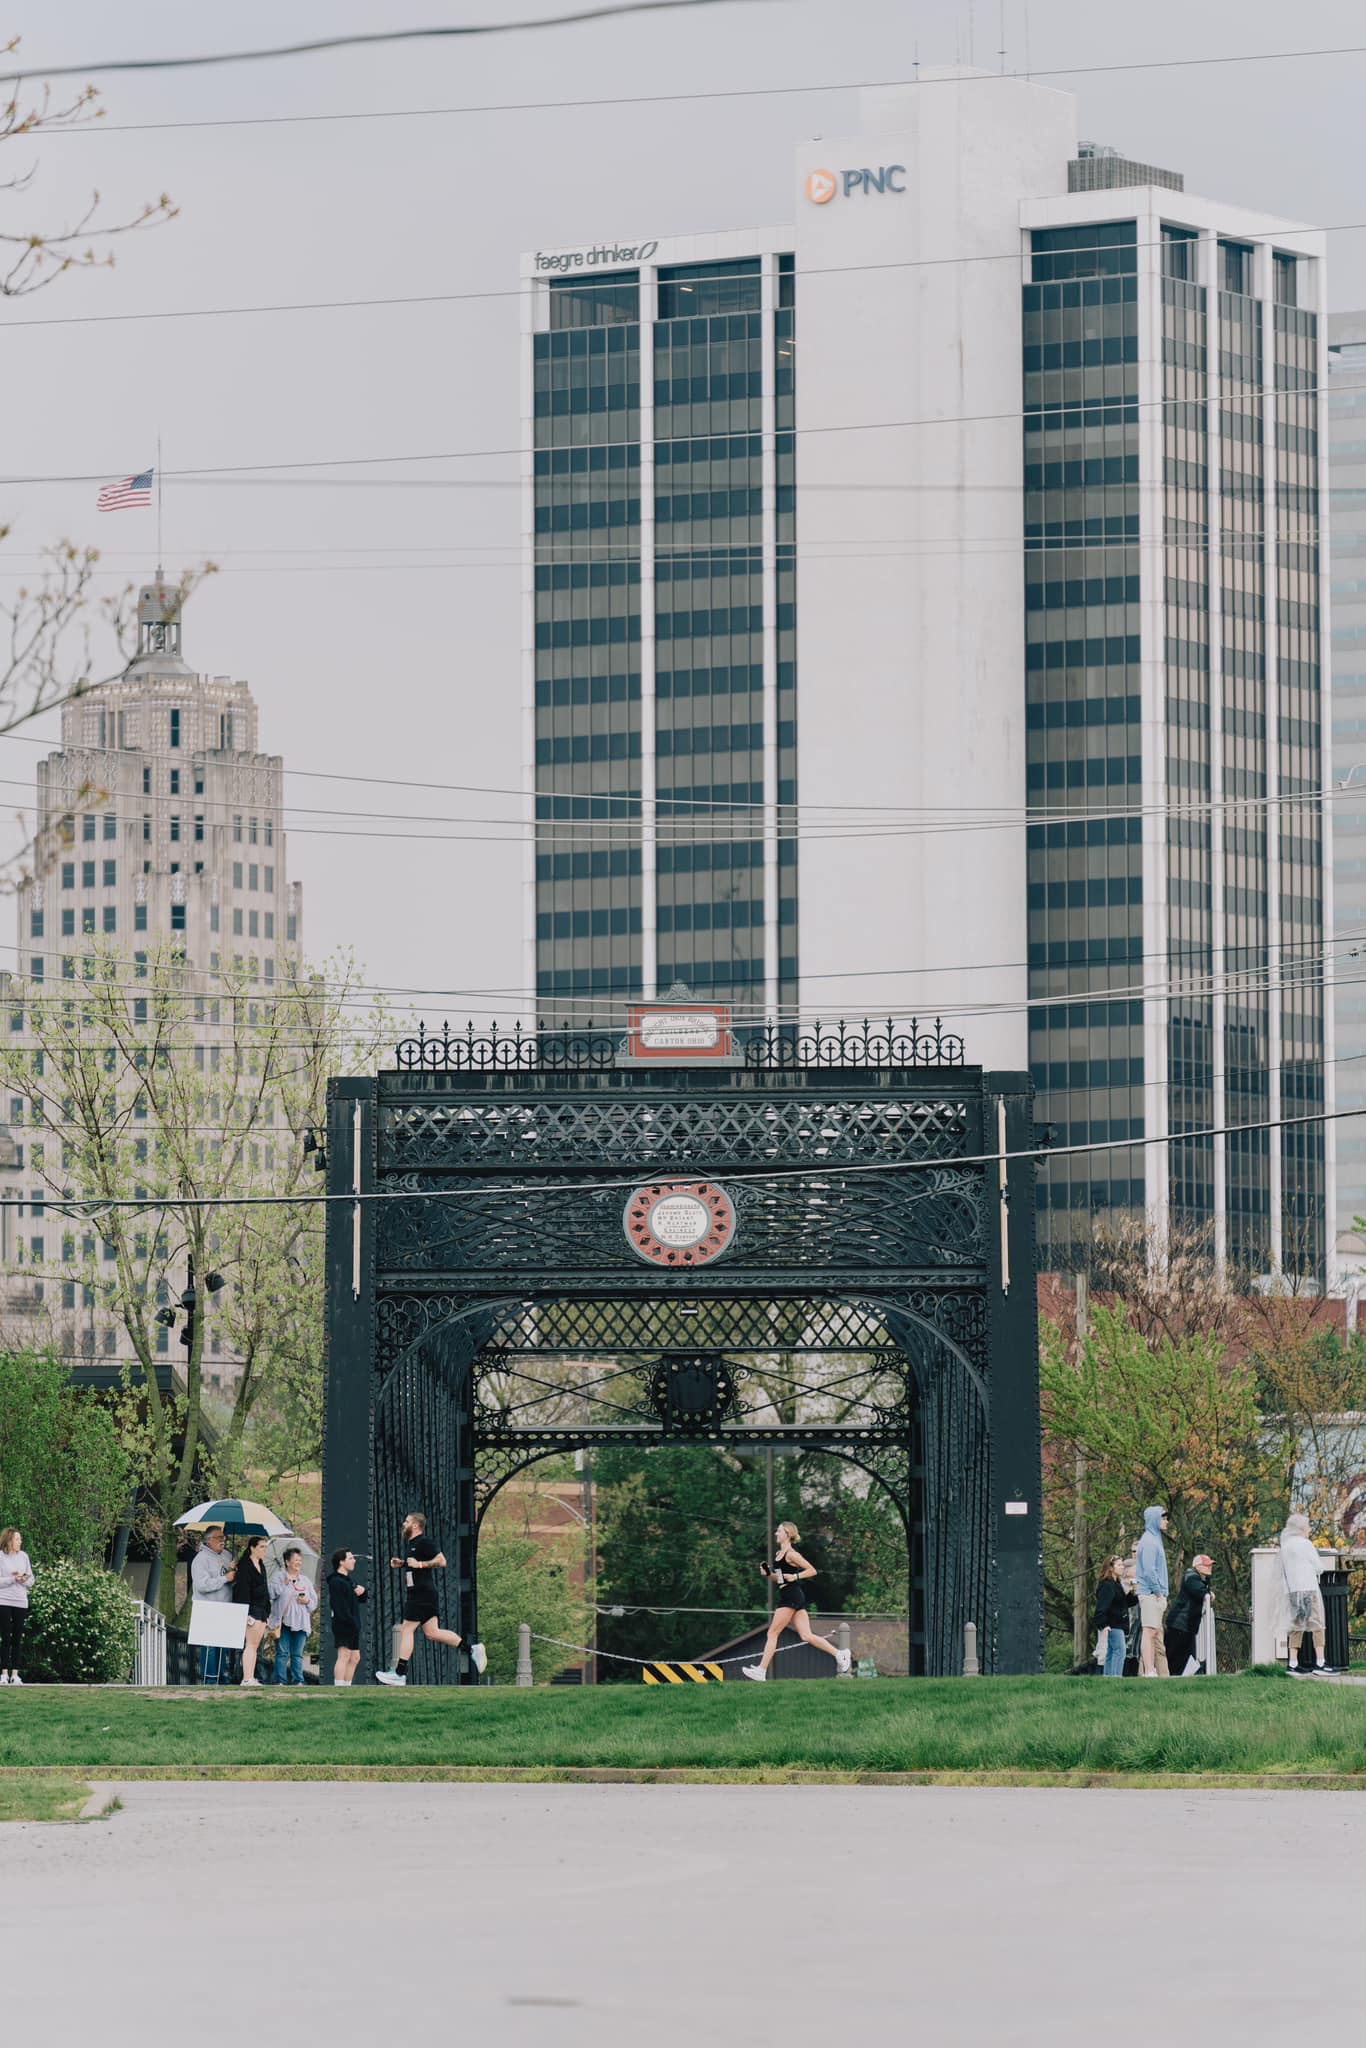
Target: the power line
pixel 482 1190
pixel 369 39
pixel 520 290
pixel 647 7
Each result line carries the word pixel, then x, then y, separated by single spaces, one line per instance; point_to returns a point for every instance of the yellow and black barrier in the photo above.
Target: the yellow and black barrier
pixel 682 1674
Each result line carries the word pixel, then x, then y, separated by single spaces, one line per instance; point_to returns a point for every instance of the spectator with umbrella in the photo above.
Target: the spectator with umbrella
pixel 215 1577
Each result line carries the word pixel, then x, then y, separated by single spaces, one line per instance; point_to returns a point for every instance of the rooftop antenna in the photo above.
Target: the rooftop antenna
pixel 972 34
pixel 160 557
pixel 915 67
pixel 1001 53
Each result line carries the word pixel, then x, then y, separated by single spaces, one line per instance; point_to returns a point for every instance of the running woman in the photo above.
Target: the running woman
pixel 420 1610
pixel 787 1571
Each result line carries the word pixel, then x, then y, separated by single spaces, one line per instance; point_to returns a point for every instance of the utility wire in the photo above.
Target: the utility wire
pixel 658 6
pixel 1281 234
pixel 369 39
pixel 821 1176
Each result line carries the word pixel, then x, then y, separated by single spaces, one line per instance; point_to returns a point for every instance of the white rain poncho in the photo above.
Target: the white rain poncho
pixel 1302 1602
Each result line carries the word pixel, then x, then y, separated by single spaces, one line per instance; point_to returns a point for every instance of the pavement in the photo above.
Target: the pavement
pixel 592 1916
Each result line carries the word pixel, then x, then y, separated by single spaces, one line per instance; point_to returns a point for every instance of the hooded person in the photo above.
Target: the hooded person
pixel 1186 1613
pixel 1151 1580
pixel 1302 1601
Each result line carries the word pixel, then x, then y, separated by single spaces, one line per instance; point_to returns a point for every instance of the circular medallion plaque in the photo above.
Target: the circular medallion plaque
pixel 680 1223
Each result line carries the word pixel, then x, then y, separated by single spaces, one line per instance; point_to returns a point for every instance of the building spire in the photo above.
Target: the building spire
pixel 158 628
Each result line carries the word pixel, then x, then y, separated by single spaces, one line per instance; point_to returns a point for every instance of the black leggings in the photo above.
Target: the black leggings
pixel 12 1621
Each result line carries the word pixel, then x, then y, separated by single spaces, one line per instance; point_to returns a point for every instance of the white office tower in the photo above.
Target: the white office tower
pixel 923 616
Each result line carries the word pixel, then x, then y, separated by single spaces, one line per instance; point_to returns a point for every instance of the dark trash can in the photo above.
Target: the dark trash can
pixel 1337 1647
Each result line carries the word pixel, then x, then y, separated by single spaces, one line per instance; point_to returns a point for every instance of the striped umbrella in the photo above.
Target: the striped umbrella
pixel 236 1517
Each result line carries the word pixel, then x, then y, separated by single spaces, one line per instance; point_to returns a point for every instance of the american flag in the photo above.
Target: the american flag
pixel 127 492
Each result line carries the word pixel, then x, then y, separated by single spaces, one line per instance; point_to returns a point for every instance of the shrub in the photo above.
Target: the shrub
pixel 82 1626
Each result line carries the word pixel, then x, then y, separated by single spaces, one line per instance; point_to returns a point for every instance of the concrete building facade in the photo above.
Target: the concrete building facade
pixel 924 614
pixel 160 825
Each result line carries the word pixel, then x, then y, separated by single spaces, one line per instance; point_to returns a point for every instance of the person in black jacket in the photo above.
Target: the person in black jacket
pixel 251 1589
pixel 1113 1601
pixel 345 1615
pixel 1186 1613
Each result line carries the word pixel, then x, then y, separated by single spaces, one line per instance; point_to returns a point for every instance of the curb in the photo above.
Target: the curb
pixel 103 1799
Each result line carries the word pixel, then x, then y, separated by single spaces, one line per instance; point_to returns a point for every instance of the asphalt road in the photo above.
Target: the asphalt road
pixel 592 1916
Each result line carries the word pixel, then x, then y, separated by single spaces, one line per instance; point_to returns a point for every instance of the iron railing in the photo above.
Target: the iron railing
pixel 880 1043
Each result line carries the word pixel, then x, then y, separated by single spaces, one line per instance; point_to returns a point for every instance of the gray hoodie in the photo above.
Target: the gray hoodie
pixel 1152 1557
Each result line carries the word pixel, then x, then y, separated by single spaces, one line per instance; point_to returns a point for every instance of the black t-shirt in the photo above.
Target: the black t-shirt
pixel 421 1585
pixel 344 1597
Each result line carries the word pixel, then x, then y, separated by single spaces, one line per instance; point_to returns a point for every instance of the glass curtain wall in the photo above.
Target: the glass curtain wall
pixel 709 628
pixel 587 578
pixel 1186 616
pixel 1242 571
pixel 1299 709
pixel 1082 634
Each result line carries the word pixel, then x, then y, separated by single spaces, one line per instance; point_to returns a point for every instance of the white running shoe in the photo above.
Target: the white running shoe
pixel 390 1678
pixel 15 1679
pixel 753 1671
pixel 249 1682
pixel 479 1657
pixel 4 1678
pixel 843 1660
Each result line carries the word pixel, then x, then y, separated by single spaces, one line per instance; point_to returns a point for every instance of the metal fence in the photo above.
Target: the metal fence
pixel 149 1664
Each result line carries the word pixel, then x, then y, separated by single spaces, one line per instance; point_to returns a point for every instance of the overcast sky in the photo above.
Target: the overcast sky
pixel 377 617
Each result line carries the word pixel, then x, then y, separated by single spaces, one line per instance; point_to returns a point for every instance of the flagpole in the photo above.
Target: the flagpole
pixel 159 554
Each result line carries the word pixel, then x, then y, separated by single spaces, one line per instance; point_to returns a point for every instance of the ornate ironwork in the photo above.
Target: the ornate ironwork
pixel 693 1396
pixel 491 1310
pixel 570 1047
pixel 857 1222
pixel 665 1131
pixel 882 1045
pixel 545 1049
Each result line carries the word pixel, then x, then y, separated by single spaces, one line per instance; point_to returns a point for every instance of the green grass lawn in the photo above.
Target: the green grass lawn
pixel 42 1795
pixel 1234 1726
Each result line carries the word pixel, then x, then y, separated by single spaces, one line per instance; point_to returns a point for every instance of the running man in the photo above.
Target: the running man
pixel 787 1572
pixel 420 1609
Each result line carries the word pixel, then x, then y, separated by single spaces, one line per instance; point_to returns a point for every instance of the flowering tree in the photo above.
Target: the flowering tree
pixel 172 1115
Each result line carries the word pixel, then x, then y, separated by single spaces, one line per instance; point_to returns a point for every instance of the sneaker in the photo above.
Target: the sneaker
pixel 1296 1671
pixel 1322 1671
pixel 753 1671
pixel 247 1683
pixel 843 1659
pixel 4 1678
pixel 479 1657
pixel 15 1679
pixel 389 1678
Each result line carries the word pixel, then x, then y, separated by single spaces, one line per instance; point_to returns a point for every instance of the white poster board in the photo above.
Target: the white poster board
pixel 218 1624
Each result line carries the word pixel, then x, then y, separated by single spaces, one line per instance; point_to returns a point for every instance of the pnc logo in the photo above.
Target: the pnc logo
pixel 822 186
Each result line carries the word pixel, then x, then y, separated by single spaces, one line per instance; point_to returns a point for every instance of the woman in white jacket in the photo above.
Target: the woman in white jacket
pixel 1303 1602
pixel 16 1576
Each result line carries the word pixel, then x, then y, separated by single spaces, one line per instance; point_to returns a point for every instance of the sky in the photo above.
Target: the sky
pixel 376 611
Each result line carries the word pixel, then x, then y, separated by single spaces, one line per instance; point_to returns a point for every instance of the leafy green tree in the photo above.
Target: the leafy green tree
pixel 525 1581
pixel 64 1479
pixel 168 1112
pixel 1163 1419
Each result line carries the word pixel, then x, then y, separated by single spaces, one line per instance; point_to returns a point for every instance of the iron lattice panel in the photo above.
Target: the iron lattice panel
pixel 831 1221
pixel 590 1328
pixel 648 1135
pixel 552 1327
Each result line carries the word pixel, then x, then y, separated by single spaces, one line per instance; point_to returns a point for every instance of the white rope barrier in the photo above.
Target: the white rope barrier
pixel 618 1657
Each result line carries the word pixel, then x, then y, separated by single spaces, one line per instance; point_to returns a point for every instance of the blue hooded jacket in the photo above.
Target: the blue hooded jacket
pixel 1152 1556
